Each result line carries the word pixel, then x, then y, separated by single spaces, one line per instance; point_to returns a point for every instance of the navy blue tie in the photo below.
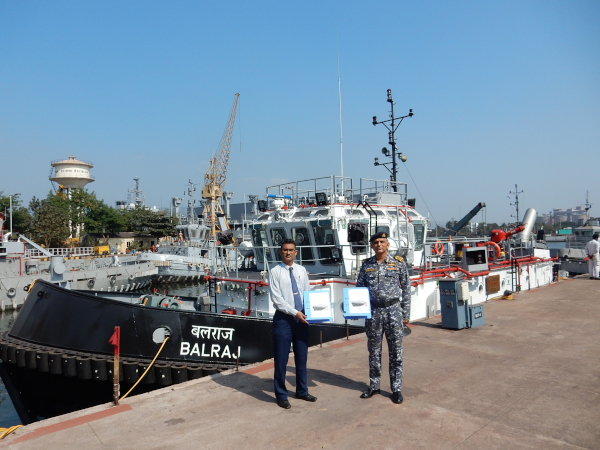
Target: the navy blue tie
pixel 297 298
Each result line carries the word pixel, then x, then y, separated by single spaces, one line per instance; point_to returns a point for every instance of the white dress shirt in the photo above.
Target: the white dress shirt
pixel 591 249
pixel 280 286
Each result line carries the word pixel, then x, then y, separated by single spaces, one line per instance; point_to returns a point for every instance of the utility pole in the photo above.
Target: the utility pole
pixel 392 141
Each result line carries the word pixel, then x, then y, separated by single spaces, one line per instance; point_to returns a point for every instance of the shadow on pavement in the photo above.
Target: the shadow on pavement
pixel 262 388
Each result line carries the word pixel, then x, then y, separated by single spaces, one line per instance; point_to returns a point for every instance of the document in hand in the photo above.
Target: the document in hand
pixel 357 303
pixel 317 306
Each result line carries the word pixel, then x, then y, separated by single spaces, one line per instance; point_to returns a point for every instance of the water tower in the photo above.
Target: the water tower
pixel 71 173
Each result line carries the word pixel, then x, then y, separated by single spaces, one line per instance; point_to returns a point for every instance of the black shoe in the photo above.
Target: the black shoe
pixel 397 397
pixel 369 393
pixel 285 404
pixel 307 397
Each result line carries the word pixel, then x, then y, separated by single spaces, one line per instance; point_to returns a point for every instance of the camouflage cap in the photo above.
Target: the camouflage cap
pixel 380 235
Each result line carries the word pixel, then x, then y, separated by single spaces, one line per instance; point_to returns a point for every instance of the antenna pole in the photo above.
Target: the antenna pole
pixel 392 141
pixel 340 98
pixel 517 192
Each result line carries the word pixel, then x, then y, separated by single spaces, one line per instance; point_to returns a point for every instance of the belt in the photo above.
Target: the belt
pixel 385 303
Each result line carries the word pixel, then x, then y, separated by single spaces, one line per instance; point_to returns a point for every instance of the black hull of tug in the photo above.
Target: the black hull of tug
pixel 57 354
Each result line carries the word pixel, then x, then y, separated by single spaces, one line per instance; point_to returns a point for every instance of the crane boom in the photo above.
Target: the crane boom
pixel 216 175
pixel 462 222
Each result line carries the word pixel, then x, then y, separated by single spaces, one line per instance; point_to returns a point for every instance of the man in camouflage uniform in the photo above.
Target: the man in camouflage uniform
pixel 389 289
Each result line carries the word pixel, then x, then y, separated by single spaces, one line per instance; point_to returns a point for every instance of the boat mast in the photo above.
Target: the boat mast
pixel 392 141
pixel 340 99
pixel 516 204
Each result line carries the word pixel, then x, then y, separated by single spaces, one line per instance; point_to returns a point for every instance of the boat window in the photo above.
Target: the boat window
pixel 302 214
pixel 277 237
pixel 379 212
pixel 322 212
pixel 354 212
pixel 302 240
pixel 263 217
pixel 419 232
pixel 324 236
pixel 380 228
pixel 259 240
pixel 357 237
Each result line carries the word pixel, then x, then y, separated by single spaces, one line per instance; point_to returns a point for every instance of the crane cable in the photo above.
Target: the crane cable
pixel 147 369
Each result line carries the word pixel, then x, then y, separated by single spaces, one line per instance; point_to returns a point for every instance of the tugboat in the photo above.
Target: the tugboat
pixel 57 357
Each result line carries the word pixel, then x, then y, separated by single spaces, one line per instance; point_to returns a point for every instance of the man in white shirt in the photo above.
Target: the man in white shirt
pixel 591 250
pixel 287 283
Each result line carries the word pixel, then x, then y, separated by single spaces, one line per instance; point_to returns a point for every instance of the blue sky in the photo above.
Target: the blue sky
pixel 504 93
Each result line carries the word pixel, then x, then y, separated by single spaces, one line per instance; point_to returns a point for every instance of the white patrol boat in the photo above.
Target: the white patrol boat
pixel 331 219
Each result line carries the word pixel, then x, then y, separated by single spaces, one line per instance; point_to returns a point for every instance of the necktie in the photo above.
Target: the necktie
pixel 297 298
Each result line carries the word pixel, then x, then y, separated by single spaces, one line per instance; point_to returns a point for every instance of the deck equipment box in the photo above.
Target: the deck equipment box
pixel 454 305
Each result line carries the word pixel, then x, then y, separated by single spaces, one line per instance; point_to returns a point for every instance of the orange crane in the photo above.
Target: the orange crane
pixel 215 177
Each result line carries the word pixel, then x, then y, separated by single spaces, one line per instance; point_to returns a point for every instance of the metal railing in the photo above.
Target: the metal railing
pixel 75 251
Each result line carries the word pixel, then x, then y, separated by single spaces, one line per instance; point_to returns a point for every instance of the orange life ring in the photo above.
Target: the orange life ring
pixel 496 246
pixel 438 248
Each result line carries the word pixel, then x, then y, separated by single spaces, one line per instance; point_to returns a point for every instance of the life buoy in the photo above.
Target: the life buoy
pixel 438 248
pixel 496 247
pixel 90 283
pixel 190 265
pixel 11 292
pixel 131 277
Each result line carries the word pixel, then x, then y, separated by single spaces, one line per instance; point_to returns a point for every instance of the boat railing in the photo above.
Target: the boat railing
pixel 370 189
pixel 335 189
pixel 73 251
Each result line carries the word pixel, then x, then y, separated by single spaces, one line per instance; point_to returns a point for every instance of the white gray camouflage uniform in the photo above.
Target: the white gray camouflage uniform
pixel 389 284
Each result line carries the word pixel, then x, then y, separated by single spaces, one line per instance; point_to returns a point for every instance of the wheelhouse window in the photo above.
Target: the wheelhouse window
pixel 419 235
pixel 278 235
pixel 324 235
pixel 384 228
pixel 302 214
pixel 259 241
pixel 302 240
pixel 358 236
pixel 354 212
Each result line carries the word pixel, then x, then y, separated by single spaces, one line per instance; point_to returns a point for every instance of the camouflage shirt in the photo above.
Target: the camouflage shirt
pixel 386 281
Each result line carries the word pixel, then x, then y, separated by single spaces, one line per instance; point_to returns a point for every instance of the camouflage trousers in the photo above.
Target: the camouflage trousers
pixel 389 321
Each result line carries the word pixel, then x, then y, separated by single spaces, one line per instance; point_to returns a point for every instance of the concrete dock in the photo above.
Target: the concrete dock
pixel 529 378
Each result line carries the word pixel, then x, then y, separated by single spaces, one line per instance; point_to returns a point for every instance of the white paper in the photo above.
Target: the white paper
pixel 320 305
pixel 358 301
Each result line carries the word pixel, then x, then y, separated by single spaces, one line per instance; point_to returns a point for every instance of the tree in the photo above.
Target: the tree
pixel 50 221
pixel 144 221
pixel 104 219
pixel 81 203
pixel 20 215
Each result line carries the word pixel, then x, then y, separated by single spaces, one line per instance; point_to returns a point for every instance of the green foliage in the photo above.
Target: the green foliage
pixel 20 215
pixel 145 221
pixel 50 222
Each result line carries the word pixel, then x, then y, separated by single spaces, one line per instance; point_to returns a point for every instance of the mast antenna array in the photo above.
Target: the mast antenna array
pixel 392 141
pixel 516 203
